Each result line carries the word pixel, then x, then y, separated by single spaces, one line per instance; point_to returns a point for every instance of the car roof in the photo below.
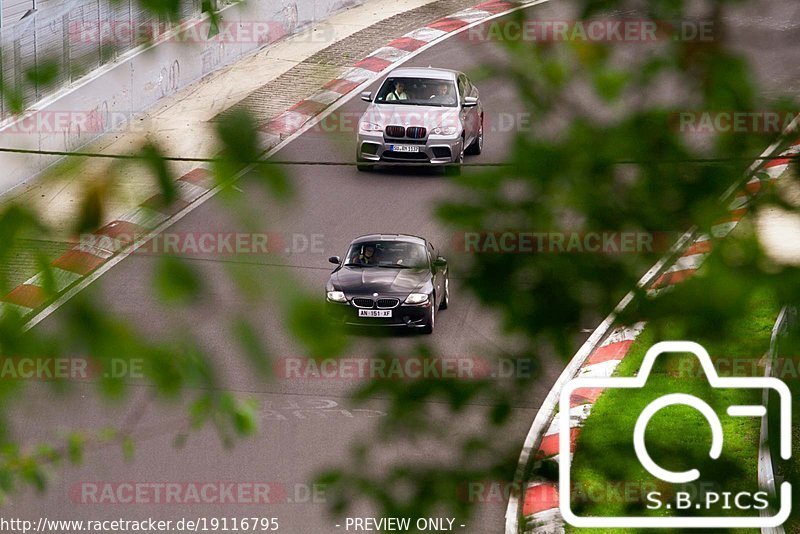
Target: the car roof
pixel 423 72
pixel 389 237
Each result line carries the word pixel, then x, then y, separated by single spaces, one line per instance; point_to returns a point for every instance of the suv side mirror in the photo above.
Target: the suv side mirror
pixel 336 260
pixel 366 96
pixel 439 262
pixel 470 102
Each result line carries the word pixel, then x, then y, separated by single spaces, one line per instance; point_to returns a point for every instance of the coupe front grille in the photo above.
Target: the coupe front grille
pixel 416 132
pixel 361 302
pixel 395 131
pixel 386 303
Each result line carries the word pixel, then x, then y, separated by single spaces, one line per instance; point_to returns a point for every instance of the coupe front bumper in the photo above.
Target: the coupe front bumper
pixel 401 316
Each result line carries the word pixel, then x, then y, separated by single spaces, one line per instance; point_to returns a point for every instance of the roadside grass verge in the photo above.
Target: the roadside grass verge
pixel 787 368
pixel 607 477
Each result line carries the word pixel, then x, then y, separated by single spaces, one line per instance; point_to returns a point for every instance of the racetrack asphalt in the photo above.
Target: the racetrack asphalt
pixel 307 424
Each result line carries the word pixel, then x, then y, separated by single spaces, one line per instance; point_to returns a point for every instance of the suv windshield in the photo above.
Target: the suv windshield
pixel 394 254
pixel 418 92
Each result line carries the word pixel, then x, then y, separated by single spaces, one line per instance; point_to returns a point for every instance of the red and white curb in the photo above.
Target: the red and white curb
pixel 94 250
pixel 540 498
pixel 73 268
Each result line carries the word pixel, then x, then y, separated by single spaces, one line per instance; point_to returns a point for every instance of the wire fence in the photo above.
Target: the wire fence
pixel 70 38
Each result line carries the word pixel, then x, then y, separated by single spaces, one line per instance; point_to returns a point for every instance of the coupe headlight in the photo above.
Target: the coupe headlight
pixel 336 296
pixel 371 127
pixel 445 130
pixel 416 298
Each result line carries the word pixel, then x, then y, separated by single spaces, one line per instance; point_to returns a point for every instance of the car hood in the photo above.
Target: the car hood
pixel 426 116
pixel 362 280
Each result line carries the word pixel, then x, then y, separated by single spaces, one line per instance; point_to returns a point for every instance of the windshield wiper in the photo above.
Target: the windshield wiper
pixel 395 266
pixel 412 103
pixel 359 265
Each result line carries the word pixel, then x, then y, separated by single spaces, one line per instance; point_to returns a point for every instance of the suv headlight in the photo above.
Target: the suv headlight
pixel 371 127
pixel 445 130
pixel 416 298
pixel 336 296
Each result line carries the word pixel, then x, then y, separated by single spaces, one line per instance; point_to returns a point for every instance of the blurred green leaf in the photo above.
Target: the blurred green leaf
pixel 75 447
pixel 128 448
pixel 167 185
pixel 175 281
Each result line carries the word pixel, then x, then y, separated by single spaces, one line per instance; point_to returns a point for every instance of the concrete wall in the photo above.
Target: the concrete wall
pixel 99 102
pixel 13 10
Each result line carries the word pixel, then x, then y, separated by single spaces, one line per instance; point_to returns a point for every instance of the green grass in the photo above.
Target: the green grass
pixel 611 482
pixel 789 371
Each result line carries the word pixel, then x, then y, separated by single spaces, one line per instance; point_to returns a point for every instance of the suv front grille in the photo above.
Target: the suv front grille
pixel 416 132
pixel 395 131
pixel 361 302
pixel 386 303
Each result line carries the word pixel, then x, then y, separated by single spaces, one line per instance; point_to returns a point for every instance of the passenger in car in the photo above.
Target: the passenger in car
pixel 399 92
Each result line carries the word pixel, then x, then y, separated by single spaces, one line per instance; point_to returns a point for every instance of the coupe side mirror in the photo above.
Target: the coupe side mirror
pixel 366 96
pixel 470 102
pixel 440 262
pixel 336 260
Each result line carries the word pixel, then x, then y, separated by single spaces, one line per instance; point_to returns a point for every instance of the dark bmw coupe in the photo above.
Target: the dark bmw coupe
pixel 389 280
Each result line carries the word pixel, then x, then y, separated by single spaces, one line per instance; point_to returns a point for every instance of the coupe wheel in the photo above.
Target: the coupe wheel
pixel 431 322
pixel 446 298
pixel 477 145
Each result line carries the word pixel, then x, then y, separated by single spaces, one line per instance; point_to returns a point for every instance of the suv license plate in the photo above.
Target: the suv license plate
pixel 404 148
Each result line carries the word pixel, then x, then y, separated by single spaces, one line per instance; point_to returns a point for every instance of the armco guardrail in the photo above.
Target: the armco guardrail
pixel 138 79
pixel 766 467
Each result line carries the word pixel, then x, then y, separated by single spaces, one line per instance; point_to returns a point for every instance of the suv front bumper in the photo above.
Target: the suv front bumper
pixel 436 150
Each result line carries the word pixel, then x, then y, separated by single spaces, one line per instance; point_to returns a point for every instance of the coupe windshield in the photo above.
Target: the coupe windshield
pixel 418 92
pixel 391 254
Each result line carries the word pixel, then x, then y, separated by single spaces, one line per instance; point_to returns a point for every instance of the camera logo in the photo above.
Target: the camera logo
pixel 678 477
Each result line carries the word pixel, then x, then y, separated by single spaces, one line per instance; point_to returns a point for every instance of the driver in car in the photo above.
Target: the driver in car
pixel 443 94
pixel 367 256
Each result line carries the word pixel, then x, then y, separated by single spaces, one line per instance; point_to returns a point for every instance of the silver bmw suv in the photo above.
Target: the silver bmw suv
pixel 421 116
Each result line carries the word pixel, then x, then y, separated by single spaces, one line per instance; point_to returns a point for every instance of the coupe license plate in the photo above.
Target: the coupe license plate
pixel 404 148
pixel 374 313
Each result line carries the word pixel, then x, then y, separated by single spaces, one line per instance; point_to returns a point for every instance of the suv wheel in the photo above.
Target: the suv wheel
pixel 454 169
pixel 477 145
